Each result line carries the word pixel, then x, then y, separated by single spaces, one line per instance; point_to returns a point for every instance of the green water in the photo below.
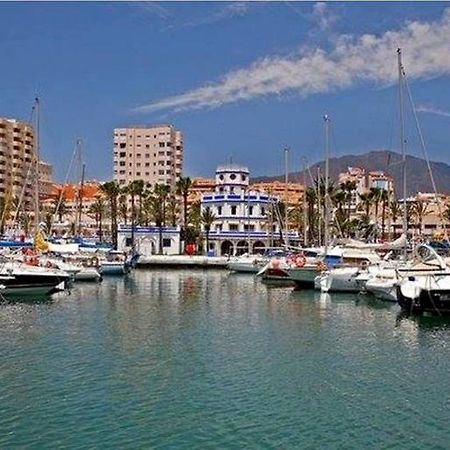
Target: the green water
pixel 207 360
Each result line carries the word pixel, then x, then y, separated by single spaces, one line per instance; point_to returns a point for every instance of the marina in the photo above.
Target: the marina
pixel 208 359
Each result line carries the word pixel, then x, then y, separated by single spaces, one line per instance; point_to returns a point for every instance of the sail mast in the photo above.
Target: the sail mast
pixel 286 176
pixel 80 199
pixel 305 212
pixel 37 153
pixel 326 216
pixel 402 144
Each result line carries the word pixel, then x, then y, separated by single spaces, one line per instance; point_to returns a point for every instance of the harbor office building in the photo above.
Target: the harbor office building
pixel 245 221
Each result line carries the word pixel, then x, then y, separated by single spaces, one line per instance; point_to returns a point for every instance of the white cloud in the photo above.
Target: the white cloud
pixel 352 60
pixel 433 110
pixel 323 16
pixel 232 9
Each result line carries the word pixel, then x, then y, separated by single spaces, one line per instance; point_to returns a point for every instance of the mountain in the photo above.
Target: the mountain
pixel 418 177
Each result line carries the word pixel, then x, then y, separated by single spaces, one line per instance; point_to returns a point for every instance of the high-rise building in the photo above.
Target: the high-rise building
pixel 152 153
pixel 17 162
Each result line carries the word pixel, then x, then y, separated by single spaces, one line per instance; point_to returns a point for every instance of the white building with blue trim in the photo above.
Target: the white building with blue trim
pixel 244 219
pixel 146 239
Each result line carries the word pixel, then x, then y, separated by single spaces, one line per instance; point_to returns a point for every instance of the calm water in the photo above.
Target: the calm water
pixel 207 360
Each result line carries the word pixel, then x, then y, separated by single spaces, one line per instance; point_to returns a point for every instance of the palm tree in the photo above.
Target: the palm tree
pixel 375 193
pixel 112 191
pixel 123 207
pixel 420 210
pixel 366 201
pixel 154 208
pixel 183 187
pixel 98 210
pixel 385 196
pixel 311 202
pixel 161 192
pixel 348 187
pixel 207 219
pixel 172 206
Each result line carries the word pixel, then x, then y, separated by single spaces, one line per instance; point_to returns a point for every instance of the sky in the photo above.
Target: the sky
pixel 241 80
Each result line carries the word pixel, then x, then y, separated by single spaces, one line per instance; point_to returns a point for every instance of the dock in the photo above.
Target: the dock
pixel 184 261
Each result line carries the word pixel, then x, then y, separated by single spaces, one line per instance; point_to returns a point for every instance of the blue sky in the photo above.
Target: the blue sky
pixel 241 80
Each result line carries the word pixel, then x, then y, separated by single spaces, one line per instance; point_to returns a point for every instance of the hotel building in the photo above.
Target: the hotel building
pixel 152 153
pixel 17 154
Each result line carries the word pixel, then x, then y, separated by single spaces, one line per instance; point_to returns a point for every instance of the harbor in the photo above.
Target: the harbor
pixel 224 225
pixel 208 359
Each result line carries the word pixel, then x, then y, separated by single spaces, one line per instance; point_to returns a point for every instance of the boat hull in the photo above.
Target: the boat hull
pixel 303 276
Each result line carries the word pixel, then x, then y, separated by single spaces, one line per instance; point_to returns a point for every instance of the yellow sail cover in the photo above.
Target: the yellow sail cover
pixel 39 242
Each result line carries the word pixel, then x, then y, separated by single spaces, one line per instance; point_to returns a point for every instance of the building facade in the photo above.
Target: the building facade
pixel 244 219
pixel 17 161
pixel 152 153
pixel 45 179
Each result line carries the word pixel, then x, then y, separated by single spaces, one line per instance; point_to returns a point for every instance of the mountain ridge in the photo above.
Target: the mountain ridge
pixel 418 177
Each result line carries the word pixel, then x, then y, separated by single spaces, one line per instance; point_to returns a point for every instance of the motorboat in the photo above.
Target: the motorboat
pixel 346 276
pixel 24 279
pixel 247 263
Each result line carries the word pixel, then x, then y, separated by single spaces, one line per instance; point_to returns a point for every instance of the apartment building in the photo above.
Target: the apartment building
pixel 17 157
pixel 152 153
pixel 45 179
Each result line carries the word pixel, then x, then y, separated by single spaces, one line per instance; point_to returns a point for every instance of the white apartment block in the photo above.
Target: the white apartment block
pixel 152 153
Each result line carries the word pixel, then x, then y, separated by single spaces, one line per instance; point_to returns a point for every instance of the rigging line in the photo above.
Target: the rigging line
pixel 61 194
pixel 423 146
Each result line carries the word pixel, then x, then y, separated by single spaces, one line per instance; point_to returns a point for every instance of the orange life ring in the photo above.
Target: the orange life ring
pixel 300 260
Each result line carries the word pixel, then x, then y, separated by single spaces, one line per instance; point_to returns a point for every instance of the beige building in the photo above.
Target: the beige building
pixel 152 153
pixel 17 156
pixel 45 179
pixel 291 194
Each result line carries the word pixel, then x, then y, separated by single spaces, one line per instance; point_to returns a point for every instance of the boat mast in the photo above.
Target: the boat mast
pixel 402 144
pixel 326 218
pixel 286 212
pixel 305 212
pixel 37 152
pixel 80 198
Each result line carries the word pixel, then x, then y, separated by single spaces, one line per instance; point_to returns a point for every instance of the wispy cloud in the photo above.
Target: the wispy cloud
pixel 153 8
pixel 352 60
pixel 230 10
pixel 430 109
pixel 322 16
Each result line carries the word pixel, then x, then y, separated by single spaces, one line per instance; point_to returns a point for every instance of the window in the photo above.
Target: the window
pixel 233 176
pixel 233 210
pixel 243 177
pixel 147 146
pixel 219 227
pixel 219 210
pixel 166 242
pixel 249 227
pixel 138 164
pixel 147 155
pixel 122 145
pixel 147 164
pixel 161 144
pixel 250 211
pixel 233 227
pixel 122 163
pixel 122 154
pixel 263 211
pixel 138 155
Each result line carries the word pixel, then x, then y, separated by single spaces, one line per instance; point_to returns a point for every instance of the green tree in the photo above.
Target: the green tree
pixel 183 187
pixel 123 207
pixel 98 211
pixel 112 191
pixel 207 219
pixel 420 210
pixel 385 197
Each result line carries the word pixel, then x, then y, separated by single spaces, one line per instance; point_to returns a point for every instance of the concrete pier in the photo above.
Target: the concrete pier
pixel 180 261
